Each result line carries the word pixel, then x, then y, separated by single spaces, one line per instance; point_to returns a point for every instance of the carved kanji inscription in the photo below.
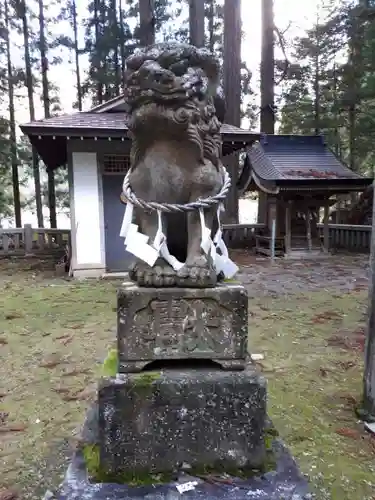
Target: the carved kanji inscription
pixel 184 326
pixel 178 327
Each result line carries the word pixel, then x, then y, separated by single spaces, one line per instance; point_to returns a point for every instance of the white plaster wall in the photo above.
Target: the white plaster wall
pixel 87 210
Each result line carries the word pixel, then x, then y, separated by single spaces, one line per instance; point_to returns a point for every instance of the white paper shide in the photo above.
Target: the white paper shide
pixel 138 244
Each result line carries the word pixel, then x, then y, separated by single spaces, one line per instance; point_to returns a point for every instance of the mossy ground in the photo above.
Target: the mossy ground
pixel 54 335
pixel 313 363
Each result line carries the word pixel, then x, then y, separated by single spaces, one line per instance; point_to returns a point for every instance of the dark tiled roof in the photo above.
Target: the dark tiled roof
pixel 111 104
pixel 288 157
pixel 83 120
pixel 99 121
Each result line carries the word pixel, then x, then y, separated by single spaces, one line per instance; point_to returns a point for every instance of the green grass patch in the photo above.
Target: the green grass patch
pixel 54 337
pixel 313 362
pixel 56 333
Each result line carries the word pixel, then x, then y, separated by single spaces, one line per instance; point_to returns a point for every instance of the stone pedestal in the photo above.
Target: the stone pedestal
pixel 165 409
pixel 182 323
pixel 157 421
pixel 152 431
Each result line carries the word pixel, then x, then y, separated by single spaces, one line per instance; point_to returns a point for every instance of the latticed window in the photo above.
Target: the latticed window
pixel 116 164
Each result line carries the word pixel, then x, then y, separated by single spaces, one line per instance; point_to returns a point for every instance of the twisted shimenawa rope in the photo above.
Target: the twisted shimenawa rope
pixel 176 207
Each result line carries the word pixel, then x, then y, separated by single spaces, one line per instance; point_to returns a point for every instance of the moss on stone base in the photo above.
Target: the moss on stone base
pixel 145 379
pixel 270 462
pixel 142 382
pixel 92 459
pixel 269 437
pixel 139 478
pixel 98 475
pixel 142 385
pixel 144 478
pixel 270 433
pixel 219 468
pixel 110 365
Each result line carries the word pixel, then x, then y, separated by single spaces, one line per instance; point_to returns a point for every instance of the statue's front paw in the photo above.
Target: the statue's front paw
pixel 139 273
pixel 161 275
pixel 197 273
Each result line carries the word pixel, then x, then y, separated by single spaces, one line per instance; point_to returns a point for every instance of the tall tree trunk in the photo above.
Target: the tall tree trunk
pixel 352 112
pixel 369 372
pixel 316 97
pixel 76 54
pixel 267 89
pixel 47 112
pixel 196 22
pixel 122 40
pixel 317 79
pixel 107 83
pixel 336 134
pixel 147 22
pixel 116 62
pixel 232 88
pixel 99 88
pixel 267 114
pixel 336 112
pixel 30 94
pixel 12 124
pixel 211 25
pixel 356 41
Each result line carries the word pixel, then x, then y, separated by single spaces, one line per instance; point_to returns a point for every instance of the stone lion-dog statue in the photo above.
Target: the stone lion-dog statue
pixel 175 107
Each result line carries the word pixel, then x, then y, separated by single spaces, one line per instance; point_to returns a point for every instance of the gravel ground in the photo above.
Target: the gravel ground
pixel 340 273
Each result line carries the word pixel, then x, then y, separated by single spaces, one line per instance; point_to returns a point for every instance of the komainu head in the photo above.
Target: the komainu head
pixel 172 92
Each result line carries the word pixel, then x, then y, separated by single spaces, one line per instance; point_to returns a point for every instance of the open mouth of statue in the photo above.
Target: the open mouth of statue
pixel 155 91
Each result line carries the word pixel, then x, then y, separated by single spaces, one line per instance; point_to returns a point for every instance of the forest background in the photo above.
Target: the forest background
pixel 56 60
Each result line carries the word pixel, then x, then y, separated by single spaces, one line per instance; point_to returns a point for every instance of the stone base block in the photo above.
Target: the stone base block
pixel 157 421
pixel 284 483
pixel 182 323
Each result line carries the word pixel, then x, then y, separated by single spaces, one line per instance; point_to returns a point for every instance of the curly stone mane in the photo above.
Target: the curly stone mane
pixel 170 91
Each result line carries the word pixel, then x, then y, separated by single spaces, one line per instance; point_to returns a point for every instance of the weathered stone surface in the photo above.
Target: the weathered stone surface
pixel 182 323
pixel 176 154
pixel 155 421
pixel 89 432
pixel 284 483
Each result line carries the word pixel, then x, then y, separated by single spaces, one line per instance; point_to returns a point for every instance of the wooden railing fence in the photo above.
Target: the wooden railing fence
pixel 348 237
pixel 30 241
pixel 241 235
pixel 352 238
